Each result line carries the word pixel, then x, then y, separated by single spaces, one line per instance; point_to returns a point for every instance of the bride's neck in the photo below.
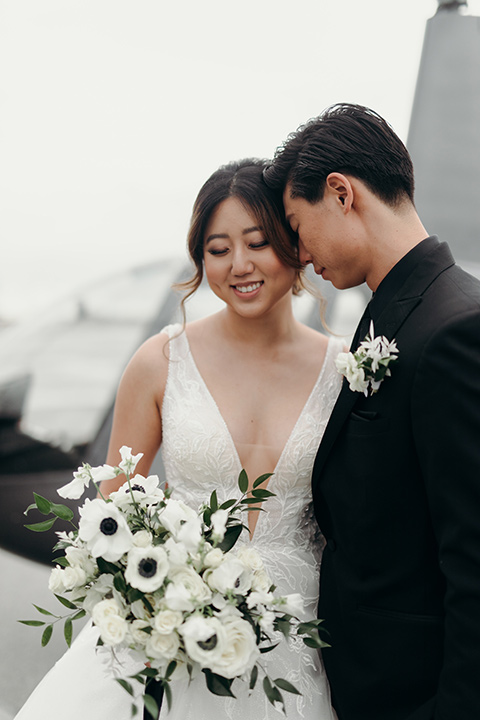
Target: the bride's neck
pixel 276 327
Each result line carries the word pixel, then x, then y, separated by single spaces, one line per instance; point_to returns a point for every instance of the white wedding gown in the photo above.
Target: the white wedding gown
pixel 200 456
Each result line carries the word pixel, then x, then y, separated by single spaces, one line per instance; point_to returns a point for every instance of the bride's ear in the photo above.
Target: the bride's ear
pixel 341 190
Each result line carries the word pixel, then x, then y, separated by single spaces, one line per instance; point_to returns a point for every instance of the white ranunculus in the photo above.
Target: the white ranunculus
pixel 190 534
pixel 145 491
pixel 251 558
pixel 186 590
pixel 239 651
pixel 214 558
pixel 104 530
pixel 129 461
pixel 204 640
pixel 137 631
pixel 291 604
pixel 166 621
pixel 219 524
pixel 161 645
pixel 230 575
pixel 142 539
pixel 146 568
pixel 104 609
pixel 174 514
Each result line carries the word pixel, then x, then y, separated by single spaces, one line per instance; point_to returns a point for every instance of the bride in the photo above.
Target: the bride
pixel 248 387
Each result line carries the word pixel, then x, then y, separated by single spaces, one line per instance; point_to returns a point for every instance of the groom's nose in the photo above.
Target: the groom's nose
pixel 303 255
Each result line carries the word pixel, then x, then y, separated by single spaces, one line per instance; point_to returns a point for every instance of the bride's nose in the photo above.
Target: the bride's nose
pixel 242 263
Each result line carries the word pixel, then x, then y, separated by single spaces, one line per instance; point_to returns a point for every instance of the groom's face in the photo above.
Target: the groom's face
pixel 326 238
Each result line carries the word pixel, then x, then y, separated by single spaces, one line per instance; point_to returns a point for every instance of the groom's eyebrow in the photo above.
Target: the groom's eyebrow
pixel 225 236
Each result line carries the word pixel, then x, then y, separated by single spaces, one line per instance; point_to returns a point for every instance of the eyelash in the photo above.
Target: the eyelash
pixel 255 246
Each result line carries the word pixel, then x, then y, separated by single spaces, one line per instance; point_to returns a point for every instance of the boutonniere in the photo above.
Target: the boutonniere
pixel 367 367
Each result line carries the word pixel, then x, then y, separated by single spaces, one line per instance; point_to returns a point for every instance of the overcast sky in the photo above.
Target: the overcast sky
pixel 114 112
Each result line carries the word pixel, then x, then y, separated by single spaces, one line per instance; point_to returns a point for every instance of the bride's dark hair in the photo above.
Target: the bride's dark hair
pixel 242 180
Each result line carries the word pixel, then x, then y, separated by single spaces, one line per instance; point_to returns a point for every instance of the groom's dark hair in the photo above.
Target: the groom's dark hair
pixel 345 138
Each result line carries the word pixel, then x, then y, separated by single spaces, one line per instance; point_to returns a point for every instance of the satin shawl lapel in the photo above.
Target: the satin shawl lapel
pixel 388 323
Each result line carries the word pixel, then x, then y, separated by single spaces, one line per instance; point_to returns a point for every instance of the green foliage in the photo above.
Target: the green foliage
pixel 218 685
pixel 47 634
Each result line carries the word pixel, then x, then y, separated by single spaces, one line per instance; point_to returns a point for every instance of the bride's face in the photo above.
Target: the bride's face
pixel 241 267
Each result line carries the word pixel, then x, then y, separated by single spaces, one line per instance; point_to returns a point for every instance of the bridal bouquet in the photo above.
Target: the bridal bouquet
pixel 165 582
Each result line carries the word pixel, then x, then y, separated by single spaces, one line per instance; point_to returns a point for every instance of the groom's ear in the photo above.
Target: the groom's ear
pixel 341 190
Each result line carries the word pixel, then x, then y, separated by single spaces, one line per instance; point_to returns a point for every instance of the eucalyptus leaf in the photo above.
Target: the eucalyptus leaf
pixel 170 669
pixel 125 685
pixel 79 614
pixel 273 693
pixel 43 611
pixel 66 602
pixel 47 634
pixel 43 505
pixel 243 481
pixel 68 631
pixel 253 677
pixel 262 494
pixel 261 479
pixel 61 560
pixel 151 706
pixel 227 504
pixel 269 648
pixel 217 684
pixel 62 511
pixel 134 710
pixel 285 685
pixel 42 526
pixel 168 695
pixel 32 623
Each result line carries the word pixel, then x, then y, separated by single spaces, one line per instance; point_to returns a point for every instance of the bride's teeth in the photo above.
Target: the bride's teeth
pixel 248 288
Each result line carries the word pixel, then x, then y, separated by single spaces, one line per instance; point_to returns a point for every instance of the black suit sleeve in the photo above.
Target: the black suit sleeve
pixel 446 426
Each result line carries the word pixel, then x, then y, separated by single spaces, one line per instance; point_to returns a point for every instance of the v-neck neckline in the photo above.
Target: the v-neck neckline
pixel 227 430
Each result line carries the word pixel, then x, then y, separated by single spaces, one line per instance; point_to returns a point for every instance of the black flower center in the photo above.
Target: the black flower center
pixel 109 526
pixel 147 567
pixel 137 487
pixel 209 644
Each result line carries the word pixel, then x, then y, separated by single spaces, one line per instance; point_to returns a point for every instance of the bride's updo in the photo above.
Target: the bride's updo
pixel 242 180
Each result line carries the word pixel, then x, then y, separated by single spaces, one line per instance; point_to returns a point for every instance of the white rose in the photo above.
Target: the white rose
pixel 160 645
pixel 239 651
pixel 137 631
pixel 213 558
pixel 55 582
pixel 142 539
pixel 186 590
pixel 250 558
pixel 74 577
pixel 113 629
pixel 261 582
pixel 230 575
pixel 204 640
pixel 166 621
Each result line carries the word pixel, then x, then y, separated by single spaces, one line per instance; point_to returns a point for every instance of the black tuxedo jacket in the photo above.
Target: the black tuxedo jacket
pixel 396 488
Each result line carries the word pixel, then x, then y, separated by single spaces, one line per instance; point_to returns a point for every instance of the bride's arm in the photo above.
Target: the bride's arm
pixel 137 420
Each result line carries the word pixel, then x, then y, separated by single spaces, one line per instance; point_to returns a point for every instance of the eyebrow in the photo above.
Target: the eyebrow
pixel 225 236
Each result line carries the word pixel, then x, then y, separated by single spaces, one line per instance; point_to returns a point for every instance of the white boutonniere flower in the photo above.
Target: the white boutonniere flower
pixel 366 368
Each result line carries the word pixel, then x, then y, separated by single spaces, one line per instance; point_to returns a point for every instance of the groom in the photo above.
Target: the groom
pixel 396 482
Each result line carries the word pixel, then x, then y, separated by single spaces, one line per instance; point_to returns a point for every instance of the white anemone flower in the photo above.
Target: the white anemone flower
pixel 205 640
pixel 145 491
pixel 231 575
pixel 146 568
pixel 129 461
pixel 104 530
pixel 81 480
pixel 174 515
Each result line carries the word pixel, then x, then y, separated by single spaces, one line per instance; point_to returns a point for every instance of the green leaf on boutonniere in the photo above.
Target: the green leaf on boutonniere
pixel 151 706
pixel 168 695
pixel 125 685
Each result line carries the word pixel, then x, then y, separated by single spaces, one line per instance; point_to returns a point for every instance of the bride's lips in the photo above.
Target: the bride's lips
pixel 247 289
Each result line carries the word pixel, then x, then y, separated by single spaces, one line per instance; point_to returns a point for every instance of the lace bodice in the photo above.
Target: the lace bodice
pixel 200 456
